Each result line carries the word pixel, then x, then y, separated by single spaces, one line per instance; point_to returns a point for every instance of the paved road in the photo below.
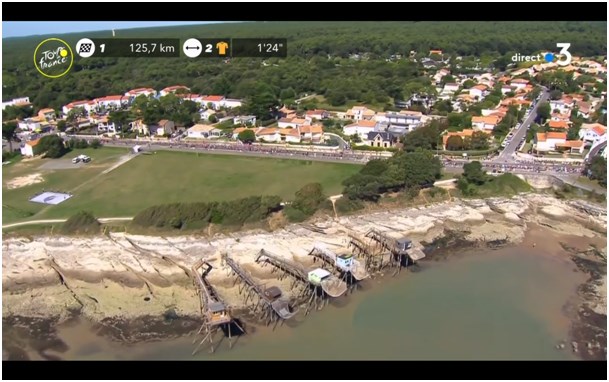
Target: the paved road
pixel 51 221
pixel 507 154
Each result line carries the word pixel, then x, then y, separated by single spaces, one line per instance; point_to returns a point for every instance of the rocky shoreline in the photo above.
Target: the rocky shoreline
pixel 125 283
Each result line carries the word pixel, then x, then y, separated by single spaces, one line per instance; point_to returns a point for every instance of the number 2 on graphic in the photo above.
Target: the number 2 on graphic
pixel 565 52
pixel 208 48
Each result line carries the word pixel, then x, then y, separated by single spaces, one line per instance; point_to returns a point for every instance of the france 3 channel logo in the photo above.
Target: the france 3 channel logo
pixel 548 57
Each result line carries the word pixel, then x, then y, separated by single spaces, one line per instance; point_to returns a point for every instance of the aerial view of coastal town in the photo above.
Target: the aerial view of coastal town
pixel 304 190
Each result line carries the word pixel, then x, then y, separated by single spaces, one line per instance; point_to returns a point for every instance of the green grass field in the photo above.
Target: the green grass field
pixel 165 177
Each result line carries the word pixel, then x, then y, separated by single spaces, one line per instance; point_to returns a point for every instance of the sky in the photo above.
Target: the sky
pixel 31 28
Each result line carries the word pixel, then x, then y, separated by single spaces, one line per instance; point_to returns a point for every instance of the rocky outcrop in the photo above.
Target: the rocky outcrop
pixel 126 276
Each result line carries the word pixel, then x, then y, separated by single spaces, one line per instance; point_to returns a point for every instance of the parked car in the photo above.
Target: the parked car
pixel 76 160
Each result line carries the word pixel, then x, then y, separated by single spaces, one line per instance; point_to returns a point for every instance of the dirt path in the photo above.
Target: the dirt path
pixel 51 221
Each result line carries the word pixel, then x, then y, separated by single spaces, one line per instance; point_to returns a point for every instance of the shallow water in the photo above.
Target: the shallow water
pixel 501 304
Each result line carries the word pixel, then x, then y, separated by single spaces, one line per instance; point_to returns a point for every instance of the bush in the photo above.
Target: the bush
pixel 294 215
pixel 6 155
pixel 200 215
pixel 81 223
pixel 52 146
pixel 345 205
pixel 437 191
pixel 95 144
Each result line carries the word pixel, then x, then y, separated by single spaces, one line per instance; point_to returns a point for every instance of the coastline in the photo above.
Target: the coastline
pixel 122 287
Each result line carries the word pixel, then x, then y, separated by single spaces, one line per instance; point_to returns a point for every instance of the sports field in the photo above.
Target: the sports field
pixel 163 177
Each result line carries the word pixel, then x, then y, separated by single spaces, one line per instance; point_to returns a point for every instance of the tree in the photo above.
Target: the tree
pixel 426 137
pixel 478 141
pixel 454 143
pixel 10 113
pixel 95 144
pixel 51 146
pixel 8 133
pixel 261 102
pixel 61 125
pixel 544 111
pixel 474 174
pixel 119 118
pixel 597 169
pixel 355 138
pixel 555 94
pixel 212 119
pixel 247 136
pixel 308 198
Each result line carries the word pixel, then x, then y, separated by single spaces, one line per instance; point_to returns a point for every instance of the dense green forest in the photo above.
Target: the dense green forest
pixel 318 59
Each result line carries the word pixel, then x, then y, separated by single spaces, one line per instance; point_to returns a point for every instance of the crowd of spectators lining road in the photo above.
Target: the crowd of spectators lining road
pixel 354 155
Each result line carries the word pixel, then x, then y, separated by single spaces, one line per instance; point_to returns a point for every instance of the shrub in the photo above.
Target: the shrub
pixel 345 205
pixel 81 223
pixel 294 215
pixel 95 144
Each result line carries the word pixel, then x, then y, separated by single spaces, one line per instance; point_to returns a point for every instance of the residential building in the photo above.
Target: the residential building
pixel 583 109
pixel 88 106
pixel 284 112
pixel 199 131
pixel 205 114
pixel 213 101
pixel 478 91
pixel 506 89
pixel 139 127
pixel 359 113
pixel 450 88
pixel 111 102
pixel 245 120
pixel 316 114
pixel 380 117
pixel 485 123
pixel 592 132
pixel 311 133
pixel 148 92
pixel 173 89
pixel 573 147
pixel 231 103
pixel 559 125
pixel 361 128
pixel 30 124
pixel 27 149
pixel 561 117
pixel 47 114
pixel 435 51
pixel 191 97
pixel 287 135
pixel 291 122
pixel 21 101
pixel 270 134
pixel 519 83
pixel 105 126
pixel 545 142
pixel 165 127
pixel 381 139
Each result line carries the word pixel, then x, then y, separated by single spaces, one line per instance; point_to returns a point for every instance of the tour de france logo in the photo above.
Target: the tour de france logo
pixel 53 58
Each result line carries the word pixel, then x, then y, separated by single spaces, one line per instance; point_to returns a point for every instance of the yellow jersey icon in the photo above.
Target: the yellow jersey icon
pixel 222 47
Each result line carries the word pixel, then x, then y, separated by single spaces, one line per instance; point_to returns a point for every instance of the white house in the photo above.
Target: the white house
pixel 316 114
pixel 592 132
pixel 450 88
pixel 105 126
pixel 548 141
pixel 506 89
pixel 485 123
pixel 519 83
pixel 165 126
pixel 380 117
pixel 230 103
pixel 112 101
pixel 86 105
pixel 173 89
pixel 139 127
pixel 202 131
pixel 583 109
pixel 46 114
pixel 291 122
pixel 216 101
pixel 30 124
pixel 141 91
pixel 381 139
pixel 288 135
pixel 245 120
pixel 478 91
pixel 361 128
pixel 359 113
pixel 205 114
pixel 21 101
pixel 563 105
pixel 311 133
pixel 28 148
pixel 269 134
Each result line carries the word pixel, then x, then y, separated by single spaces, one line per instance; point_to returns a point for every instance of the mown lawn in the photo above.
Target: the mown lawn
pixel 15 202
pixel 170 177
